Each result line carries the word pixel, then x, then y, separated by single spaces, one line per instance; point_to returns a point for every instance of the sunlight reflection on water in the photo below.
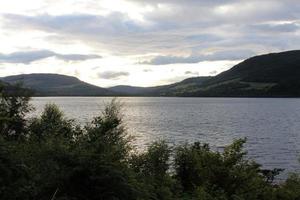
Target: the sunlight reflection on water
pixel 272 126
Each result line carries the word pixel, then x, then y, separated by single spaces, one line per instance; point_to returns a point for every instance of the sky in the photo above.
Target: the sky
pixel 141 42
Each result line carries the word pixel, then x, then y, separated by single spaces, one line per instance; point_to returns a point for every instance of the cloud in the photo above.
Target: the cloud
pixel 26 57
pixel 96 67
pixel 214 72
pixel 124 34
pixel 84 24
pixel 76 57
pixel 191 73
pixel 219 55
pixel 283 27
pixel 147 70
pixel 112 74
pixel 175 27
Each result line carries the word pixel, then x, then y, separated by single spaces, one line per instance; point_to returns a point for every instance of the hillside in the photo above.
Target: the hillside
pixel 9 89
pixel 175 89
pixel 270 75
pixel 126 90
pixel 56 85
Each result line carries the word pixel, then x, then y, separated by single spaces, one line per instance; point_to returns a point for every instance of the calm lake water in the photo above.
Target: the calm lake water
pixel 272 126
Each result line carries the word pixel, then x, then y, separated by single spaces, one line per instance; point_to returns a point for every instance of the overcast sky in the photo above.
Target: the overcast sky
pixel 141 42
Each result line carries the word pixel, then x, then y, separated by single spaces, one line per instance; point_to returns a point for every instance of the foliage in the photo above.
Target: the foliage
pixel 228 175
pixel 13 108
pixel 51 157
pixel 152 168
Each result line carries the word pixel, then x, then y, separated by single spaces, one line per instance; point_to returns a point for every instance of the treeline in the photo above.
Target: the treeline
pixel 51 157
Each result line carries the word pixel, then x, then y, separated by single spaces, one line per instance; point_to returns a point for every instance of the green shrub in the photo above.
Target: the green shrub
pixel 13 109
pixel 228 175
pixel 52 157
pixel 152 169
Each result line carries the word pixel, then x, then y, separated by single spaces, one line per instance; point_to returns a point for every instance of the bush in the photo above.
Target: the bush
pixel 51 157
pixel 13 108
pixel 226 175
pixel 152 169
pixel 290 189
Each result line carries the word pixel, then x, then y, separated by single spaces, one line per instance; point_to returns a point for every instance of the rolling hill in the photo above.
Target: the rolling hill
pixel 174 89
pixel 270 75
pixel 12 90
pixel 56 85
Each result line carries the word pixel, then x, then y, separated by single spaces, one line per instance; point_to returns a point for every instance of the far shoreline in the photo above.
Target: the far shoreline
pixel 240 97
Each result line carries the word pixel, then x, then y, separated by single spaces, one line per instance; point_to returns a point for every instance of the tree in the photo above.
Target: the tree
pixel 14 106
pixel 61 160
pixel 152 169
pixel 226 175
pixel 53 123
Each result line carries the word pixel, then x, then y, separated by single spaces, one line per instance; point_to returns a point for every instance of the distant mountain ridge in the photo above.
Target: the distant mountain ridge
pixel 164 90
pixel 269 75
pixel 14 89
pixel 56 85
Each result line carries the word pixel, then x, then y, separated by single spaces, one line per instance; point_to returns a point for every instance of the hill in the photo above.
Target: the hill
pixel 270 75
pixel 56 85
pixel 9 89
pixel 176 89
pixel 126 90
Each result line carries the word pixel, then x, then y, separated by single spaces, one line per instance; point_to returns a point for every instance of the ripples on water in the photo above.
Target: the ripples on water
pixel 272 126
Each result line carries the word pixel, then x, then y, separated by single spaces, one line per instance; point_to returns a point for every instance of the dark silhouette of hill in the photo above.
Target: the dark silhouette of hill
pixel 268 68
pixel 175 89
pixel 130 90
pixel 17 89
pixel 270 75
pixel 275 74
pixel 56 85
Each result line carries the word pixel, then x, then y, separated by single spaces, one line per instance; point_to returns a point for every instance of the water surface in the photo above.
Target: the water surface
pixel 272 125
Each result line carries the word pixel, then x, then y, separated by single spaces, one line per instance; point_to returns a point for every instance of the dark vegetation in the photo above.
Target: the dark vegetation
pixel 51 157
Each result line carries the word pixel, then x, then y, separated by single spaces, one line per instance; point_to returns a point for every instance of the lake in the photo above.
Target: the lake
pixel 271 125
